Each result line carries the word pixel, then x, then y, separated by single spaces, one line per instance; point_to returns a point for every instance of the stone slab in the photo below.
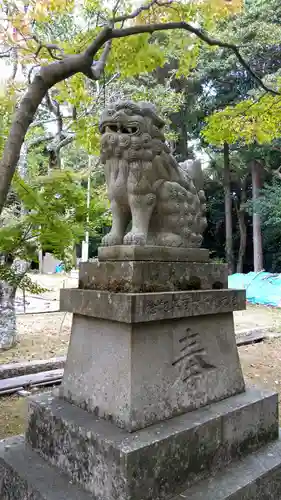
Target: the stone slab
pixel 27 367
pixel 145 307
pixel 138 374
pixel 156 253
pixel 24 475
pixel 41 379
pixel 150 276
pixel 255 477
pixel 152 463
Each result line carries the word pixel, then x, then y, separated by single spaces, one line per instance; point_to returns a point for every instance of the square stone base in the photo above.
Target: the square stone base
pixel 150 276
pixel 226 451
pixel 139 374
pixel 154 462
pixel 24 475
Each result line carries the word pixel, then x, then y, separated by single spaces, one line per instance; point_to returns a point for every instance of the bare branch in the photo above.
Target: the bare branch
pixel 141 9
pixel 38 140
pixel 51 48
pixel 41 123
pixel 115 8
pixel 98 66
pixel 30 72
pixel 64 142
pixel 15 60
pixel 52 106
pixel 7 53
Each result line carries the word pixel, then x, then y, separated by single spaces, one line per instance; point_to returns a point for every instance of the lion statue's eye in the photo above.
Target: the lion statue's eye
pixel 128 130
pixel 122 129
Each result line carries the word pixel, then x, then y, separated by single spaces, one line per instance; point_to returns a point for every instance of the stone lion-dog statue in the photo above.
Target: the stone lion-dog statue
pixel 163 200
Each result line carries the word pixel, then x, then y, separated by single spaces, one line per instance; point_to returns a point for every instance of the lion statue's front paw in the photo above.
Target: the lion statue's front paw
pixel 111 239
pixel 134 239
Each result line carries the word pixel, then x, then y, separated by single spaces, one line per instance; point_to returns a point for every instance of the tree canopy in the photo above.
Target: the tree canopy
pixel 67 47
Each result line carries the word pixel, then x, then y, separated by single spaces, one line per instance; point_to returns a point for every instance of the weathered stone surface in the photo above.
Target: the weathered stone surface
pixel 137 276
pixel 255 477
pixel 24 475
pixel 139 374
pixel 155 461
pixel 145 184
pixel 155 253
pixel 145 307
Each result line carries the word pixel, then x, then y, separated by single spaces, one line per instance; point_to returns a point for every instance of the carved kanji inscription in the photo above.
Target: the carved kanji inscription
pixel 191 357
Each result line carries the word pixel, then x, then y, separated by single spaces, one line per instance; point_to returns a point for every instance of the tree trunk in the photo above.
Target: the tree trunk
pixel 242 227
pixel 228 210
pixel 8 327
pixel 257 237
pixel 8 324
pixel 45 79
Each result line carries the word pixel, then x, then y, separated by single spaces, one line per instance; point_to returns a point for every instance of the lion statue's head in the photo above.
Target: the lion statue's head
pixel 131 131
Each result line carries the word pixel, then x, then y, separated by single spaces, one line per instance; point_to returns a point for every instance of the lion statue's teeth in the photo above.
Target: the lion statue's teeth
pixel 164 200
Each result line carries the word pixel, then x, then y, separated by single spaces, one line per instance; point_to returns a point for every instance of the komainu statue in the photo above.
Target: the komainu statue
pixel 163 200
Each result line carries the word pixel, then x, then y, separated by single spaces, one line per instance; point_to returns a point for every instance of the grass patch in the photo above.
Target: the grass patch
pixel 36 347
pixel 13 412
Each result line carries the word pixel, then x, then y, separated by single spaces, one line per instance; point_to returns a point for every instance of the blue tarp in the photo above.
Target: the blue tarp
pixel 261 288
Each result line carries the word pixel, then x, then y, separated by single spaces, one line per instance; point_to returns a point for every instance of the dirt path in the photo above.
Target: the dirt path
pixel 258 317
pixel 261 364
pixel 41 336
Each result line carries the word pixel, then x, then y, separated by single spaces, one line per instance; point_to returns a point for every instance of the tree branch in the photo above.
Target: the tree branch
pixel 202 35
pixel 50 104
pixel 38 140
pixel 54 107
pixel 6 54
pixel 67 140
pixel 50 47
pixel 139 10
pixel 98 66
pixel 15 60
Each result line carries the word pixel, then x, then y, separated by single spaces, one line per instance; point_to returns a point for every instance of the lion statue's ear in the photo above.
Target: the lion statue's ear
pixel 149 109
pixel 148 106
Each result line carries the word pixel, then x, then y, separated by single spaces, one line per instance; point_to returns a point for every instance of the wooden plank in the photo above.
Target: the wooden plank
pixel 35 379
pixel 28 367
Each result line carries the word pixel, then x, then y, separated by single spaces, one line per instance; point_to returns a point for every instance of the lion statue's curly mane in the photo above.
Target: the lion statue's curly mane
pixel 145 184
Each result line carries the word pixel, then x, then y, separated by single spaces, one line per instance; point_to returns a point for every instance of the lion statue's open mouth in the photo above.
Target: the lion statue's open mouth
pixel 145 183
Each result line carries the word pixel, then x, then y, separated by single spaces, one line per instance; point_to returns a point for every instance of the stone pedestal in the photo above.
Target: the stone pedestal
pixel 153 403
pixel 164 355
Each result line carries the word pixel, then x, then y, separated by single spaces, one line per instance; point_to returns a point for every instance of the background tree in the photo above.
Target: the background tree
pixel 243 120
pixel 57 60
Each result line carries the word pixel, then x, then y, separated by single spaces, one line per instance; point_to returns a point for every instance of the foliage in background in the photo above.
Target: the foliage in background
pixel 250 115
pixel 54 217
